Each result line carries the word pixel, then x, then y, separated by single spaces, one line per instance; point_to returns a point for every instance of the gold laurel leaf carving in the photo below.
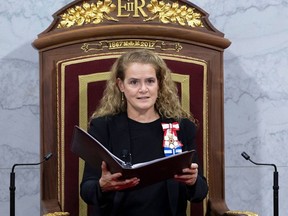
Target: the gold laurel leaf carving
pixel 87 14
pixel 174 13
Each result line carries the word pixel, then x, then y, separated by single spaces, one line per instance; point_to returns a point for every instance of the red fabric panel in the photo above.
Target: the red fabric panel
pixel 95 91
pixel 196 94
pixel 71 118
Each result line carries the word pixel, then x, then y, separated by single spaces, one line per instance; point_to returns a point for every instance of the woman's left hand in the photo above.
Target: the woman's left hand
pixel 189 175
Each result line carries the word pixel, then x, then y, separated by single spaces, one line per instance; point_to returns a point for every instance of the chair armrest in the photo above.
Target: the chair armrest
pixel 238 213
pixel 217 208
pixel 51 208
pixel 220 209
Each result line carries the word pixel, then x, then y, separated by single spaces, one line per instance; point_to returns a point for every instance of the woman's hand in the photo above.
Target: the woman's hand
pixel 189 175
pixel 111 182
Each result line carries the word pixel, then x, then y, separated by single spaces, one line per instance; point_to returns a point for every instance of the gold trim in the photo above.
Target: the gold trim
pixel 241 213
pixel 60 138
pixel 83 115
pixel 132 43
pixel 58 132
pixel 62 158
pixel 205 130
pixel 185 89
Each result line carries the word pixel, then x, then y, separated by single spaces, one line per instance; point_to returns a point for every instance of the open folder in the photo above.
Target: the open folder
pixel 93 152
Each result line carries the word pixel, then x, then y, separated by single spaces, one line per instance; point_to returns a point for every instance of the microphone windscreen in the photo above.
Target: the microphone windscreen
pixel 48 156
pixel 245 155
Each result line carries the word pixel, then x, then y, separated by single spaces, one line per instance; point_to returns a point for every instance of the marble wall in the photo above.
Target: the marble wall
pixel 256 99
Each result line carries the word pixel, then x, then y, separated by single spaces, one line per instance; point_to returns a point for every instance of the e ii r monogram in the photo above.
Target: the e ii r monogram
pixel 134 7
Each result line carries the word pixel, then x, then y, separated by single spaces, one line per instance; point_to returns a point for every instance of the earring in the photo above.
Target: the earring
pixel 122 96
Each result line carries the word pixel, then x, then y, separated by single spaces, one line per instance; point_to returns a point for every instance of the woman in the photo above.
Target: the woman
pixel 139 103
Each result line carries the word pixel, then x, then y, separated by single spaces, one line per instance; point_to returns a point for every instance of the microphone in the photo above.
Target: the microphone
pixel 127 158
pixel 275 182
pixel 12 187
pixel 247 157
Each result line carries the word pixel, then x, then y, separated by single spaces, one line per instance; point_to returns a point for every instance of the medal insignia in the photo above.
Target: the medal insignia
pixel 171 143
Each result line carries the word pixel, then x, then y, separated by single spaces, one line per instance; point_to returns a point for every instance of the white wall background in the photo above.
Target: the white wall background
pixel 256 99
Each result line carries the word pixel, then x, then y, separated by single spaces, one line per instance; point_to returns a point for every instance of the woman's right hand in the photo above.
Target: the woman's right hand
pixel 111 182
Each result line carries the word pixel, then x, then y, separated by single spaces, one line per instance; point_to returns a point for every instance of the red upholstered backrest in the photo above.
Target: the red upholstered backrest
pixel 80 84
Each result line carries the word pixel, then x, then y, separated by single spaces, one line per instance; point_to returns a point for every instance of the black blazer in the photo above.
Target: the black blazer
pixel 114 129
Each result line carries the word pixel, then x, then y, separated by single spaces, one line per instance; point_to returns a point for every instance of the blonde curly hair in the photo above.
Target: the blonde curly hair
pixel 167 103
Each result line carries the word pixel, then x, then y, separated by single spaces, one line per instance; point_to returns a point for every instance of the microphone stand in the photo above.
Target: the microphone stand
pixel 12 187
pixel 275 183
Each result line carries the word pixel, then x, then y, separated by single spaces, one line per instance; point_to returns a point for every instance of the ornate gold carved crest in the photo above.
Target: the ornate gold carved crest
pixel 95 13
pixel 87 14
